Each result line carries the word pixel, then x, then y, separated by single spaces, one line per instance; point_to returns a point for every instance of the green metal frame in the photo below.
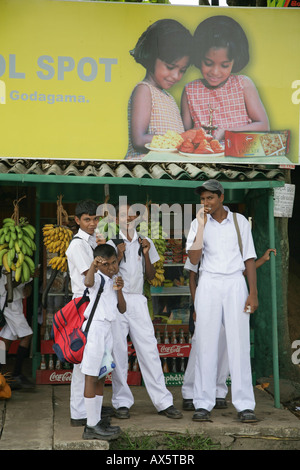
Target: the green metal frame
pixel 40 180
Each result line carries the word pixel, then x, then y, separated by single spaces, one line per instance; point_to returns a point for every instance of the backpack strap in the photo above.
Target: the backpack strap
pixel 117 241
pixel 238 232
pixel 95 305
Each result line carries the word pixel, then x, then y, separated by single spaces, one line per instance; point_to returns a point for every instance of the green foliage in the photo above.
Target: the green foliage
pixel 165 441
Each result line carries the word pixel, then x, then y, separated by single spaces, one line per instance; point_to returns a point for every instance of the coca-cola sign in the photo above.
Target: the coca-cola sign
pixel 64 377
pixel 174 350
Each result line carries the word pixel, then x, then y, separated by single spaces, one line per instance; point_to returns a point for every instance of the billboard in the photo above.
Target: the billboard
pixel 68 70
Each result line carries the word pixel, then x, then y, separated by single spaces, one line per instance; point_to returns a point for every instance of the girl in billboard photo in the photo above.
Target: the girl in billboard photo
pixel 222 98
pixel 164 50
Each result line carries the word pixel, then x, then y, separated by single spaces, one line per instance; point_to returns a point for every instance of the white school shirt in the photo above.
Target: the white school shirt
pixel 17 293
pixel 107 305
pixel 132 270
pixel 80 257
pixel 221 252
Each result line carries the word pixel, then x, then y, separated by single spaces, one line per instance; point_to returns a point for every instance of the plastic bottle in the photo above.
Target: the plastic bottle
pixel 107 365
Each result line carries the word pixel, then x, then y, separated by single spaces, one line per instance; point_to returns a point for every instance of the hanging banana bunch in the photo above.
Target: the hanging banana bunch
pixel 57 239
pixel 17 246
pixel 157 235
pixel 108 229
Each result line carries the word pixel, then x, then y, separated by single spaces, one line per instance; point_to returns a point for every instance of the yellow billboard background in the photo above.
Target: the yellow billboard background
pixel 53 50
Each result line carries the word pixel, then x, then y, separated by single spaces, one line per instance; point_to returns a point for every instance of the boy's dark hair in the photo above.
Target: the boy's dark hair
pixel 221 31
pixel 86 207
pixel 105 250
pixel 167 40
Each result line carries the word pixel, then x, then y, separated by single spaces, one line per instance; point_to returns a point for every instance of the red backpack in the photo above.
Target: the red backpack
pixel 69 339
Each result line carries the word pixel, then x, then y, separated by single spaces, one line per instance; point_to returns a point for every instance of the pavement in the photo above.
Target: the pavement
pixel 40 420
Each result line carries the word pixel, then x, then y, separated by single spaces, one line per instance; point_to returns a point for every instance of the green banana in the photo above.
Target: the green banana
pixel 25 271
pixel 28 232
pixel 8 221
pixel 30 263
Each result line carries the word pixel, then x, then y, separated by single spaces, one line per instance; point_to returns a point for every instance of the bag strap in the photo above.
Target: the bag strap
pixel 95 305
pixel 238 232
pixel 117 241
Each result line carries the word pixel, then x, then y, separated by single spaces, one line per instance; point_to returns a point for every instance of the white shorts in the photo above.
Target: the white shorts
pixel 99 340
pixel 16 324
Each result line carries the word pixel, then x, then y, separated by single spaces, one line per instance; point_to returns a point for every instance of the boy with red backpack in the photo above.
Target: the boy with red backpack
pixel 99 338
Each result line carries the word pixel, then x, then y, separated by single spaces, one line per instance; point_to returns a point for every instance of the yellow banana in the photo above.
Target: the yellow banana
pixel 5 263
pixel 18 273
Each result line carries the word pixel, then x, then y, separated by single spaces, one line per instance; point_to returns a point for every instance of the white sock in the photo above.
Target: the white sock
pixel 99 399
pixel 92 413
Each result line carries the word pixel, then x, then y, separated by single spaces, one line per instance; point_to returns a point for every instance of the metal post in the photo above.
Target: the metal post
pixel 274 301
pixel 35 354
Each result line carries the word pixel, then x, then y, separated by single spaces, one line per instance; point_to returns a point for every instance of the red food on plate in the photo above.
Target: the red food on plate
pixel 216 146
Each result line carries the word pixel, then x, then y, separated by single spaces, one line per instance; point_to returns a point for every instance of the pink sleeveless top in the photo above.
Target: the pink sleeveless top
pixel 227 101
pixel 165 116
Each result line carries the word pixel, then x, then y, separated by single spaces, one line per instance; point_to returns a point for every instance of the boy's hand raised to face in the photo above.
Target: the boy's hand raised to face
pixel 145 245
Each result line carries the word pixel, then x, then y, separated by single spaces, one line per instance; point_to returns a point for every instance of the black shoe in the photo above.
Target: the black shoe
pixel 78 422
pixel 171 412
pixel 122 412
pixel 20 382
pixel 247 416
pixel 106 423
pixel 220 403
pixel 201 415
pixel 107 411
pixel 187 404
pixel 101 432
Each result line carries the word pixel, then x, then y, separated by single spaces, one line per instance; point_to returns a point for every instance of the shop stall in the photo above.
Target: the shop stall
pixel 142 183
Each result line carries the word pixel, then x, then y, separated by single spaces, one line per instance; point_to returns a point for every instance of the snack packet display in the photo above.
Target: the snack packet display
pixel 256 144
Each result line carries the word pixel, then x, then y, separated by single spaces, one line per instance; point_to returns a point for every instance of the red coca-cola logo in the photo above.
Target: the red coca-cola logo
pixel 63 377
pixel 173 349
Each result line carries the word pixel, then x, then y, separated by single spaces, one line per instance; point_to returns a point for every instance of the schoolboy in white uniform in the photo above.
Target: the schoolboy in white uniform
pixel 222 298
pixel 187 388
pixel 99 338
pixel 80 257
pixel 16 327
pixel 137 323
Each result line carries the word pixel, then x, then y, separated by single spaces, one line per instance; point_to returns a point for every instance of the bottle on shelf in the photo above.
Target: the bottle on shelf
pixel 158 337
pixel 135 366
pixel 165 366
pixel 57 364
pixel 43 365
pixel 174 368
pixel 51 362
pixel 47 333
pixel 190 337
pixel 166 337
pixel 182 365
pixel 174 337
pixel 181 336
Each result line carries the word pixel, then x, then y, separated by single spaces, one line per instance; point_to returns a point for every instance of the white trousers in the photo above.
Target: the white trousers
pixel 220 300
pixel 77 405
pixel 137 323
pixel 187 388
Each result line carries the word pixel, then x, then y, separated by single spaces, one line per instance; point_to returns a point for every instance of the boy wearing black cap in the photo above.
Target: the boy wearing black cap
pixel 222 298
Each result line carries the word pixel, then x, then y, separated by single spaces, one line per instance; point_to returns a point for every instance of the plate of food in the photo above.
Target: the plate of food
pixel 158 149
pixel 211 154
pixel 196 142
